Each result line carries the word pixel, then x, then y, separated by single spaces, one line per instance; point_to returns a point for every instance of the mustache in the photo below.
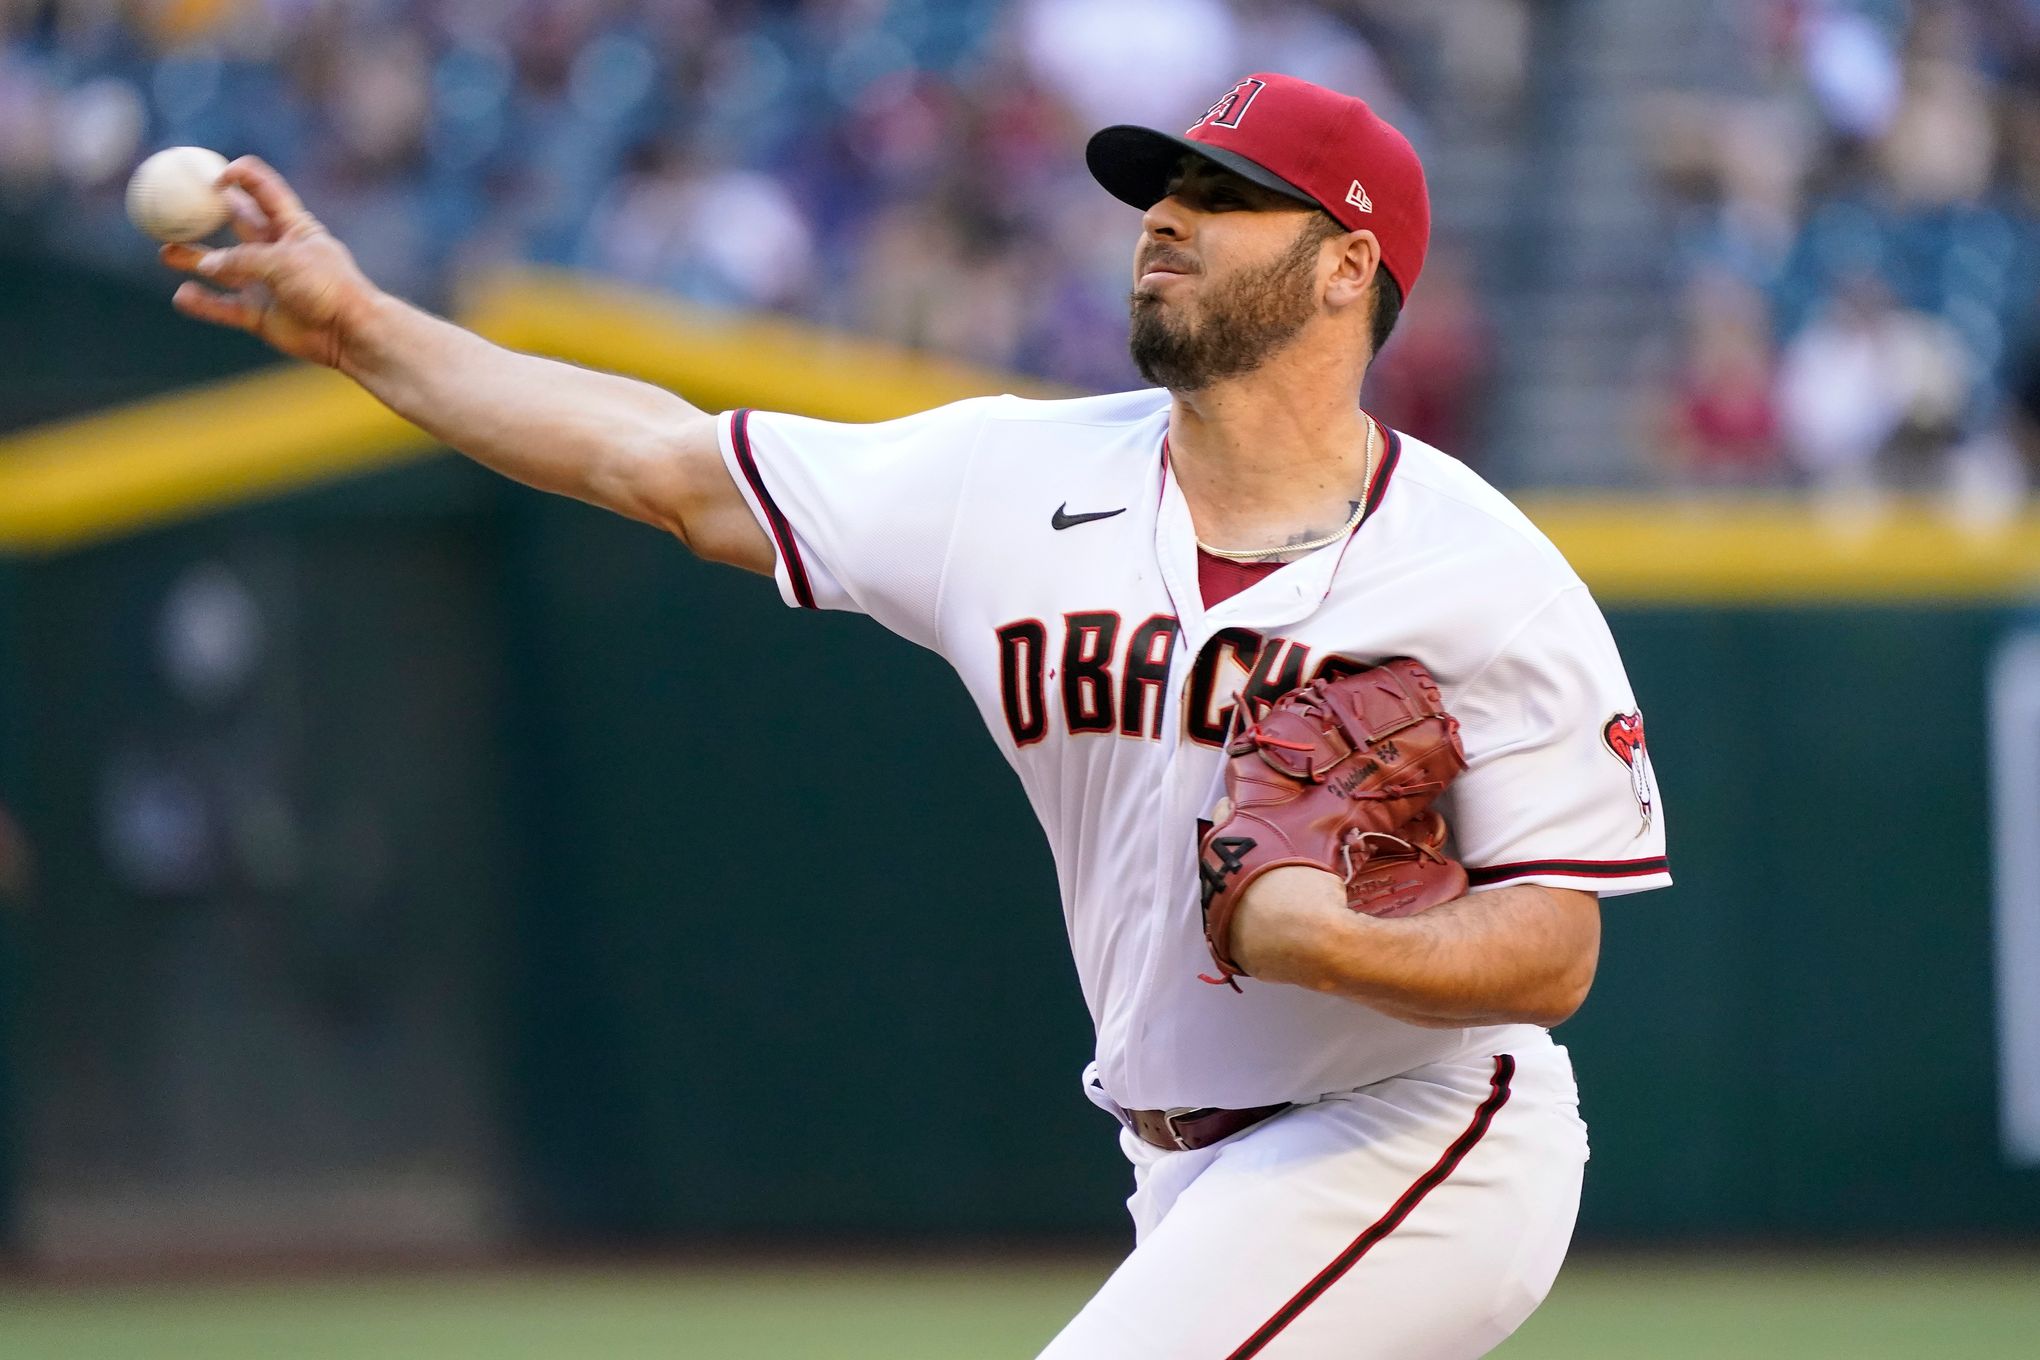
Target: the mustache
pixel 1163 258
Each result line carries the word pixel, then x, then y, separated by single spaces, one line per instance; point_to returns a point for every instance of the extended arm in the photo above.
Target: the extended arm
pixel 1515 954
pixel 611 441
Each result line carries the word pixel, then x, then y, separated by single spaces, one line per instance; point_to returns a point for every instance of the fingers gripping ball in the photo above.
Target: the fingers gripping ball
pixel 1339 775
pixel 174 195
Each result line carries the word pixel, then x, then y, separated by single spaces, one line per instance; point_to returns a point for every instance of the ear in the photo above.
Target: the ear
pixel 1359 256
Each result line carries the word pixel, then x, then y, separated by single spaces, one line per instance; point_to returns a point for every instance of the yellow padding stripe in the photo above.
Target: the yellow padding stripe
pixel 1777 550
pixel 718 360
pixel 159 461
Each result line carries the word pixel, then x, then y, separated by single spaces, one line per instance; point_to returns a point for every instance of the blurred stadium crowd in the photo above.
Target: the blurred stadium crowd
pixel 1846 294
pixel 1856 210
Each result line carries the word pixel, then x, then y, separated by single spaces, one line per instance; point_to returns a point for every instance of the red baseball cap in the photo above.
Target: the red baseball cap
pixel 1298 139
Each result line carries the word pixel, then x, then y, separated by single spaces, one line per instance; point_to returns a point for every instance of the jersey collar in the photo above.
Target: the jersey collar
pixel 1281 597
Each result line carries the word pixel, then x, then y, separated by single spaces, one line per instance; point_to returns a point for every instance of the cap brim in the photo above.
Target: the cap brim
pixel 1135 164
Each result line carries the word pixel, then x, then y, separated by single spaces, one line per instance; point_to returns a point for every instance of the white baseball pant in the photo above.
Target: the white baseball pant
pixel 1420 1218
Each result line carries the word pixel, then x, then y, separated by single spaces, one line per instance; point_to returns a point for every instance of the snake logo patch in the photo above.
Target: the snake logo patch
pixel 1623 736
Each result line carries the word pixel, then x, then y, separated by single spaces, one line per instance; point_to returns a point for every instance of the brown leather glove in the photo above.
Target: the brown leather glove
pixel 1406 873
pixel 1338 775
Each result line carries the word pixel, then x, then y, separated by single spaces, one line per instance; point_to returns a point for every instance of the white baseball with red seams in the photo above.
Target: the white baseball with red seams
pixel 1044 550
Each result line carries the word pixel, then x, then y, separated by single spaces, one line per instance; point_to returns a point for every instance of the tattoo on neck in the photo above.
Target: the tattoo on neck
pixel 1352 507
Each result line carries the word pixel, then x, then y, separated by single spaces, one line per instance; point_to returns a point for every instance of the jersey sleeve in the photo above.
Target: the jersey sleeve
pixel 860 516
pixel 1558 788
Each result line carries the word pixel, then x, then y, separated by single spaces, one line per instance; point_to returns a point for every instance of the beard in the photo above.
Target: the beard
pixel 1245 320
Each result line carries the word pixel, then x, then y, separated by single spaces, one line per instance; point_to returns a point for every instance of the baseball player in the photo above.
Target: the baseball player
pixel 1334 751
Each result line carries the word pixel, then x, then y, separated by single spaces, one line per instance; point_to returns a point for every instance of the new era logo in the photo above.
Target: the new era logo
pixel 1357 196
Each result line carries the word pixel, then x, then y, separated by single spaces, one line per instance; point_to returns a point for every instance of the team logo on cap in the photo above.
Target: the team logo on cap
pixel 1357 196
pixel 1623 736
pixel 1228 111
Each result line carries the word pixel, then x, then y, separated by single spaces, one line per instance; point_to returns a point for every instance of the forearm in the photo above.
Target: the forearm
pixel 594 436
pixel 611 441
pixel 1518 954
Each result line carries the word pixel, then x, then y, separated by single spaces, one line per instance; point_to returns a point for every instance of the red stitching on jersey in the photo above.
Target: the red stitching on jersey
pixel 782 530
pixel 1162 491
pixel 1574 868
pixel 1498 1096
pixel 1377 489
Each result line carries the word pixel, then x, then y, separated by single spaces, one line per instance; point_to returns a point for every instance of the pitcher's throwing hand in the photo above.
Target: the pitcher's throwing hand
pixel 290 281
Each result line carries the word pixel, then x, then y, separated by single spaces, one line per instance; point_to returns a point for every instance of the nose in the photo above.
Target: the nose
pixel 1168 219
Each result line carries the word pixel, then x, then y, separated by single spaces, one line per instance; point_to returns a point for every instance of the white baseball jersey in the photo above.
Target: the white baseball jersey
pixel 1044 549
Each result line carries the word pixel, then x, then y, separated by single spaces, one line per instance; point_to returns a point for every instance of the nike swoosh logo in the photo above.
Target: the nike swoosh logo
pixel 1063 519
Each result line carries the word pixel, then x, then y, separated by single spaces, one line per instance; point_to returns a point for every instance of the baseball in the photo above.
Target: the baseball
pixel 174 194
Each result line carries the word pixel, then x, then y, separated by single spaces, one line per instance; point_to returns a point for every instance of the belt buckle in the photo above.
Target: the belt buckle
pixel 1169 1118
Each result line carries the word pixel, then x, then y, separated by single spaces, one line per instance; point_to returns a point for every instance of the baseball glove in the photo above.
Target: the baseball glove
pixel 1339 775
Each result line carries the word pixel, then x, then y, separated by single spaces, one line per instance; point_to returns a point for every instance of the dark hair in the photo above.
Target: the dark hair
pixel 1387 308
pixel 1387 294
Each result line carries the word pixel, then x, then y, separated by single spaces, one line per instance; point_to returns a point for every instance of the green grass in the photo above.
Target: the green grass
pixel 1864 1308
pixel 893 1312
pixel 1766 1306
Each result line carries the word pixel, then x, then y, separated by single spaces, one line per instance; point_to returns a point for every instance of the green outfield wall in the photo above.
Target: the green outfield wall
pixel 14 738
pixel 1797 1039
pixel 79 340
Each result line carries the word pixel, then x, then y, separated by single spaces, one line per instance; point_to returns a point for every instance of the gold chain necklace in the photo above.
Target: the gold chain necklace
pixel 1352 522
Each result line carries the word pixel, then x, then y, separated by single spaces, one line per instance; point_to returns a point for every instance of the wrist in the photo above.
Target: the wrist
pixel 1286 924
pixel 359 330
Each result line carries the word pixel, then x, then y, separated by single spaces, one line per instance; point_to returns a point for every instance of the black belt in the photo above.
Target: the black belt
pixel 1186 1129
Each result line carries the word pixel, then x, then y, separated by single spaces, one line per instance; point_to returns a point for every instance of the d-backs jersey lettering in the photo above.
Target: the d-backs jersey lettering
pixel 1044 550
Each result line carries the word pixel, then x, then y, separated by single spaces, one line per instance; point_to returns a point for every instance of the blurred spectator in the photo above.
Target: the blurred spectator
pixel 1852 68
pixel 1319 45
pixel 1734 169
pixel 1721 427
pixel 720 235
pixel 947 281
pixel 1940 145
pixel 1872 393
pixel 2024 404
pixel 2021 132
pixel 1486 50
pixel 1133 61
